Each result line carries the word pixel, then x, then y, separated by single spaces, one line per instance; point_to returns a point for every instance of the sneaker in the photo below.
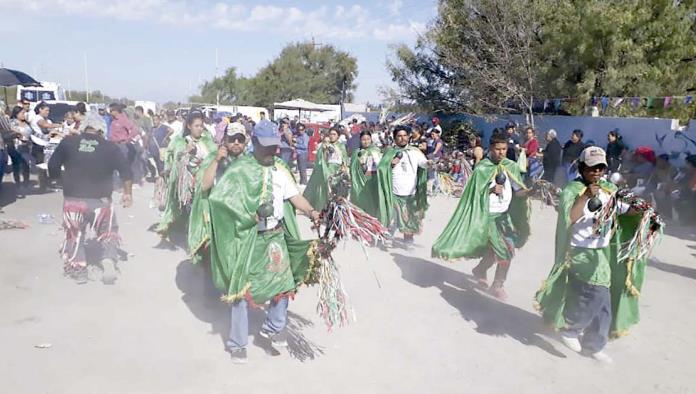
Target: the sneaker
pixel 279 339
pixel 602 357
pixel 572 343
pixel 480 277
pixel 109 271
pixel 498 291
pixel 238 355
pixel 80 275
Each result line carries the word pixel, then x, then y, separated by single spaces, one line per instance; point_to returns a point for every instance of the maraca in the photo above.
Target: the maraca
pixel 265 211
pixel 595 204
pixel 399 155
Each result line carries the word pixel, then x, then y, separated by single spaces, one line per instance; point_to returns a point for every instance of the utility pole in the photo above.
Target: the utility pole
pixel 86 79
pixel 217 94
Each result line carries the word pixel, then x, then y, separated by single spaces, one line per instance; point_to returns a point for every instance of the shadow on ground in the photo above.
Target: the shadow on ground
pixel 491 316
pixel 203 300
pixel 673 269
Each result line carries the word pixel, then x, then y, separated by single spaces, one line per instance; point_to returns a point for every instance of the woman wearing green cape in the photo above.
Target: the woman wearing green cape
pixel 185 157
pixel 256 252
pixel 402 186
pixel 214 167
pixel 363 175
pixel 589 294
pixel 491 220
pixel 329 159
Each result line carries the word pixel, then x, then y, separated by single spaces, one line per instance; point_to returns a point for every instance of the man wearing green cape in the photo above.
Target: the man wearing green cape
pixel 214 167
pixel 491 220
pixel 255 249
pixel 363 175
pixel 329 159
pixel 589 294
pixel 186 154
pixel 402 186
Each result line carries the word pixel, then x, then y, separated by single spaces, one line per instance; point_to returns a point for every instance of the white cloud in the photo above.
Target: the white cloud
pixel 337 22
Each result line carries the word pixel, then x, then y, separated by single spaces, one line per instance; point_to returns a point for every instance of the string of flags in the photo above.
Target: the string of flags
pixel 615 102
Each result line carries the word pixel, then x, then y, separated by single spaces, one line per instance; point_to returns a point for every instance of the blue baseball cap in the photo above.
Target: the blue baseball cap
pixel 266 133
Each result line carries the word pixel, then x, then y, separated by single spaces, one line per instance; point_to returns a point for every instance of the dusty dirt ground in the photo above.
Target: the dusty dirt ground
pixel 422 326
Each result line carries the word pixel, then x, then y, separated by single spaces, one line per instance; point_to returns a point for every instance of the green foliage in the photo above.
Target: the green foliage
pixel 302 70
pixel 480 55
pixel 95 96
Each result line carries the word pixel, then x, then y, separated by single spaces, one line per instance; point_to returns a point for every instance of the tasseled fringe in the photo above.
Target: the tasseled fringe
pixel 186 184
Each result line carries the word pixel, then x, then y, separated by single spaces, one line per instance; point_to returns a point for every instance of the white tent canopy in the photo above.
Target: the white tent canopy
pixel 302 105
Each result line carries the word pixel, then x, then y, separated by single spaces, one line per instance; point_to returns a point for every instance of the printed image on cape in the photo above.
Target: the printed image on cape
pixel 364 188
pixel 199 228
pixel 317 190
pixel 467 233
pixel 174 165
pixel 246 263
pixel 386 197
pixel 626 279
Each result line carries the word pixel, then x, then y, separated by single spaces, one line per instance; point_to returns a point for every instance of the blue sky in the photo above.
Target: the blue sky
pixel 163 49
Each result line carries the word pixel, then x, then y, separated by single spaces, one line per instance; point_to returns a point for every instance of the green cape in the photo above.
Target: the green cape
pixel 626 279
pixel 199 229
pixel 233 203
pixel 172 211
pixel 385 194
pixel 466 234
pixel 317 190
pixel 363 191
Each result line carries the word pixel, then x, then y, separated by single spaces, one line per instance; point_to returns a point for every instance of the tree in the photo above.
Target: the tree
pixel 302 70
pixel 228 87
pixel 492 55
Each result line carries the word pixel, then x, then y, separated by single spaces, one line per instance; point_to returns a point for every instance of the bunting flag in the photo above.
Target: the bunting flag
pixel 618 102
pixel 688 100
pixel 649 102
pixel 635 102
pixel 668 101
pixel 557 104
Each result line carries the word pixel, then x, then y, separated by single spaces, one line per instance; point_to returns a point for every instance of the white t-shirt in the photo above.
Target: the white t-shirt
pixel 284 188
pixel 405 173
pixel 501 203
pixel 582 235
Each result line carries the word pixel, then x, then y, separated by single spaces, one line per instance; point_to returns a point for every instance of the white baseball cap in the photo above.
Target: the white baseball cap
pixel 235 128
pixel 593 156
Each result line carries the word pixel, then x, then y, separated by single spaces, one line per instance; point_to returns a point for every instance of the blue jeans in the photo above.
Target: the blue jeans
pixel 302 160
pixel 286 156
pixel 276 318
pixel 588 313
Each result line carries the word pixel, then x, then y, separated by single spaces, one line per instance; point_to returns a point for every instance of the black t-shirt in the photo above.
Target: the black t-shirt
pixel 513 141
pixel 571 151
pixel 89 162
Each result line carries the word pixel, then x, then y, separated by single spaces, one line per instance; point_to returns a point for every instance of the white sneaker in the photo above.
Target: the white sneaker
pixel 572 343
pixel 109 274
pixel 602 357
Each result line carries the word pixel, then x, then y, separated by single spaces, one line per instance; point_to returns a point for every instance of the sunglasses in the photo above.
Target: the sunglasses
pixel 237 138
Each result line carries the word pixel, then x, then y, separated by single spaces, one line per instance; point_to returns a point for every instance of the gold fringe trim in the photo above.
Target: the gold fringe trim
pixel 193 251
pixel 230 298
pixel 314 261
pixel 629 283
pixel 618 334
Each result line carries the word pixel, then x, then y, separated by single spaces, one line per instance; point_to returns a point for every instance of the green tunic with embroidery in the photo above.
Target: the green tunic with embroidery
pixel 176 151
pixel 317 190
pixel 473 230
pixel 199 229
pixel 363 191
pixel 624 280
pixel 406 212
pixel 244 262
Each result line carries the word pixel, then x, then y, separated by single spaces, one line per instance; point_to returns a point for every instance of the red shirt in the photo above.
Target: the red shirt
pixel 531 147
pixel 122 129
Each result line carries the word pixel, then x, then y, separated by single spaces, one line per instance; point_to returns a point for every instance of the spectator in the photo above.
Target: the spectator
pixel 144 122
pixel 615 150
pixel 474 153
pixel 642 171
pixel 436 147
pixel 571 153
pixel 287 146
pixel 18 144
pixel 123 134
pixel 552 159
pixel 353 142
pixel 42 131
pixel 513 140
pixel 301 147
pixel 686 192
pixel 531 149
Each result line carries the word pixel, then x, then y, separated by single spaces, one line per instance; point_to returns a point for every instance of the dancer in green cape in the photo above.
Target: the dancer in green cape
pixel 363 175
pixel 255 248
pixel 402 181
pixel 590 295
pixel 214 167
pixel 491 220
pixel 329 159
pixel 185 157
